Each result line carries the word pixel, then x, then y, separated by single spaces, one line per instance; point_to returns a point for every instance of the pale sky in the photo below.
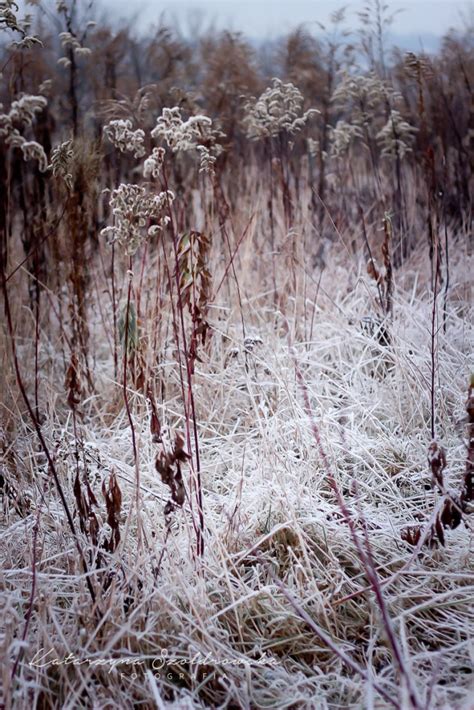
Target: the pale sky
pixel 264 18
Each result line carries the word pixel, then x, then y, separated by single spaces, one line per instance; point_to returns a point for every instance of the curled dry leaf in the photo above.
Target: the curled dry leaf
pixel 113 501
pixel 73 383
pixel 168 466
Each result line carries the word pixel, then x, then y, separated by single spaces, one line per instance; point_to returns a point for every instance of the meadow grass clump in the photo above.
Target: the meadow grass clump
pixel 236 455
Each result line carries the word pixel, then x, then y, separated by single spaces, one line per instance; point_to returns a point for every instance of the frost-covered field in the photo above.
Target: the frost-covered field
pixel 237 408
pixel 243 625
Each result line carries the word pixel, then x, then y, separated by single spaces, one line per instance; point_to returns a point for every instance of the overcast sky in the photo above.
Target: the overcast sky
pixel 263 18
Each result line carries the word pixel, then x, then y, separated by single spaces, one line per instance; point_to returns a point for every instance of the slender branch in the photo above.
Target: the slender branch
pixel 127 405
pixel 44 446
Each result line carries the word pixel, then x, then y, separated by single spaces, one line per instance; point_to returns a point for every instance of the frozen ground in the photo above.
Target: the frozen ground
pixel 245 625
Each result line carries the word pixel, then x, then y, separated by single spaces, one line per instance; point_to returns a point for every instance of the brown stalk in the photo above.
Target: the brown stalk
pixel 44 446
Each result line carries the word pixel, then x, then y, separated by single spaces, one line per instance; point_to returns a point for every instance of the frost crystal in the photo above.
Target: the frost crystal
pixel 10 21
pixel 396 137
pixel 195 134
pixel 362 96
pixel 64 62
pixel 179 134
pixel 342 136
pixel 364 100
pixel 70 41
pixel 152 165
pixel 278 109
pixel 27 42
pixel 121 135
pixel 21 115
pixel 34 151
pixel 133 209
pixel 62 159
pixel 23 110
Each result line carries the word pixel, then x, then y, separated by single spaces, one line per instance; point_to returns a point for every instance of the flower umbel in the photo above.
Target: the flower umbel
pixel 396 137
pixel 121 135
pixel 152 165
pixel 279 108
pixel 21 115
pixel 194 134
pixel 133 209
